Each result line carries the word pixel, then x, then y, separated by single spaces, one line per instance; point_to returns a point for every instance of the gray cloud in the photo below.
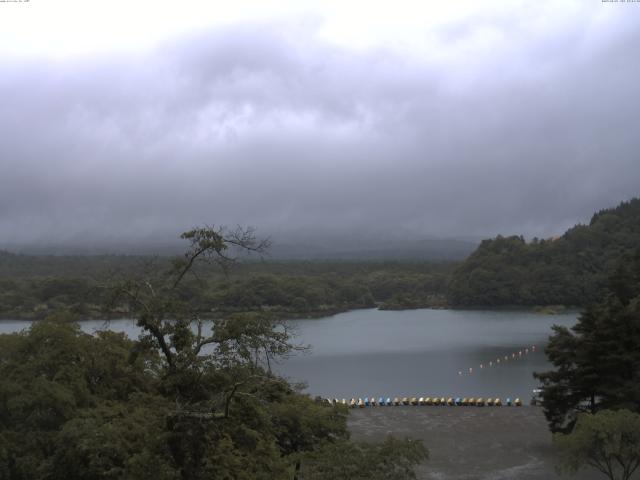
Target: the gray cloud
pixel 265 124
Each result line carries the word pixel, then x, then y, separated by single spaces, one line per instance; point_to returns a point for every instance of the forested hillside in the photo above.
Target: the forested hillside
pixel 569 270
pixel 32 287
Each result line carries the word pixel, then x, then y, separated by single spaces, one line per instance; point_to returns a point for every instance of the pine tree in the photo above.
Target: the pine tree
pixel 598 360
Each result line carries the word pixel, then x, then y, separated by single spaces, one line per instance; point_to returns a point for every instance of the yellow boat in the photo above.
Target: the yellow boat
pixel 480 402
pixel 450 401
pixel 517 402
pixel 497 402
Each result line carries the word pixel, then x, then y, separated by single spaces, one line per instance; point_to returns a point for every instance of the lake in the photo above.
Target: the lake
pixel 364 353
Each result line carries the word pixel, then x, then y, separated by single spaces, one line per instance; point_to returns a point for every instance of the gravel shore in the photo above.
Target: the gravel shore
pixel 469 443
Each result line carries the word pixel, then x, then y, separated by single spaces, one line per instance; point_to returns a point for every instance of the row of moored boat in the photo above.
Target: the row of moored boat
pixel 434 401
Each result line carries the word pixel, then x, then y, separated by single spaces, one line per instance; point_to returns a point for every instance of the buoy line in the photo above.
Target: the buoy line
pixel 500 360
pixel 441 401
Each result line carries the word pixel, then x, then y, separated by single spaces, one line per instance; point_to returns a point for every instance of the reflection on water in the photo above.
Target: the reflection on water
pixel 420 352
pixel 414 352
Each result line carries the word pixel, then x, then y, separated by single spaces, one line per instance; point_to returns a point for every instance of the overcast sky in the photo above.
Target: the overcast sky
pixel 120 119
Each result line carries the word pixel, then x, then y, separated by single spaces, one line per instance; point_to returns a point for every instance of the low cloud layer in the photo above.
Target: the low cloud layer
pixel 511 127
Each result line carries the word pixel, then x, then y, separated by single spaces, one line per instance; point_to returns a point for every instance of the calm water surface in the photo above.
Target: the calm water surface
pixel 420 352
pixel 363 353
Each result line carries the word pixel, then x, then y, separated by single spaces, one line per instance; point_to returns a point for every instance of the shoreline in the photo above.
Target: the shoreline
pixel 316 314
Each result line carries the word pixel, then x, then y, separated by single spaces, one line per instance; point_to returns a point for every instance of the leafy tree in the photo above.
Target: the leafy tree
pixel 186 400
pixel 62 393
pixel 213 376
pixel 598 360
pixel 607 441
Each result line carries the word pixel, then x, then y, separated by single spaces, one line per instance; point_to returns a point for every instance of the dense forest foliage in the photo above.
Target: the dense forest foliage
pixel 81 407
pixel 35 286
pixel 597 361
pixel 186 400
pixel 569 270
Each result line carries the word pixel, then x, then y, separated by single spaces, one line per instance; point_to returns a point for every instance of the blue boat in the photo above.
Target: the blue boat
pixel 366 401
pixel 381 401
pixel 458 401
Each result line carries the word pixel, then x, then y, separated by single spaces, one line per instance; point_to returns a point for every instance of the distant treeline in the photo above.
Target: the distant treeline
pixel 34 286
pixel 569 270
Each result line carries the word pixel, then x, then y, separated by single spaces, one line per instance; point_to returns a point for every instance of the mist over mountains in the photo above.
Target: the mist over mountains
pixel 292 247
pixel 470 125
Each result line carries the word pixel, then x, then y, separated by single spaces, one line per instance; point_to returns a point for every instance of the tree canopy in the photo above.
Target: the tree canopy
pixel 188 399
pixel 568 270
pixel 32 287
pixel 597 362
pixel 607 441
